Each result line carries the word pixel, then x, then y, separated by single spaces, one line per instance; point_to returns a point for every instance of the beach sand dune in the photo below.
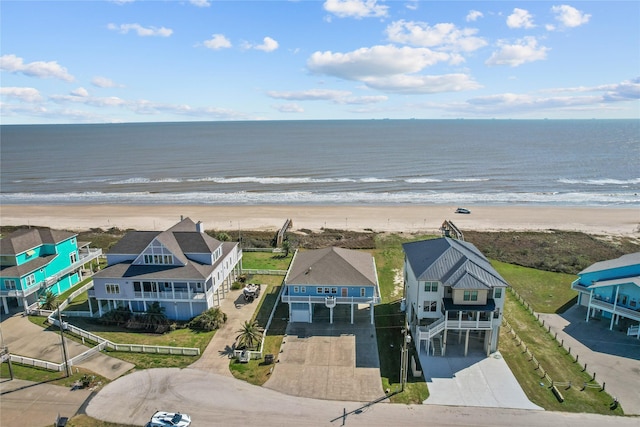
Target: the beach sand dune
pixel 592 220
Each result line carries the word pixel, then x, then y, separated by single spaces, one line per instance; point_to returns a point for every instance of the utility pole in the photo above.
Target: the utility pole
pixel 64 346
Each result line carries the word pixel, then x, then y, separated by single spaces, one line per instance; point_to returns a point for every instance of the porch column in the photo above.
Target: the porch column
pixel 289 311
pixel 352 313
pixel 488 339
pixel 90 307
pixel 615 304
pixel 24 304
pixel 589 306
pixel 444 342
pixel 100 308
pixel 371 310
pixel 310 311
pixel 331 315
pixel 466 343
pixel 129 303
pixel 5 305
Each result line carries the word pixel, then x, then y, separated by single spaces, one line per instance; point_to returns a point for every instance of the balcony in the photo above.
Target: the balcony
pixel 609 307
pixel 322 299
pixel 170 296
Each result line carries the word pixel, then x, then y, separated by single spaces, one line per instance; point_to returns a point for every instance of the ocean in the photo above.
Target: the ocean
pixel 356 162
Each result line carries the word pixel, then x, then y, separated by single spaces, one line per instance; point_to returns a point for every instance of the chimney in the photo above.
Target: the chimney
pixel 200 227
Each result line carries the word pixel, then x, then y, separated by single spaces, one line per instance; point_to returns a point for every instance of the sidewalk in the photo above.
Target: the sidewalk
pixel 216 357
pixel 613 356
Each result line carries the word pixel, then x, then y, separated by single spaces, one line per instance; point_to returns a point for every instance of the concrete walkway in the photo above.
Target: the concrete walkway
pixel 611 354
pixel 30 404
pixel 216 357
pixel 29 340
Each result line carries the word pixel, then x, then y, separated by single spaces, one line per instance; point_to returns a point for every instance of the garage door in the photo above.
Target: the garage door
pixel 300 315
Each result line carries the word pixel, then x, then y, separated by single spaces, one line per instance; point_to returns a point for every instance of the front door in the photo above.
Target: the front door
pixel 344 292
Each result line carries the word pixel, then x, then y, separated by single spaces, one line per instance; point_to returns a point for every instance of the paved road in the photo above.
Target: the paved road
pixel 218 400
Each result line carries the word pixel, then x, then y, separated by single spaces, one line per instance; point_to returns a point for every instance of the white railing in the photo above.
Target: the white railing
pixel 626 312
pixel 131 348
pixel 634 330
pixel 322 299
pixel 36 363
pixel 170 296
pixel 428 332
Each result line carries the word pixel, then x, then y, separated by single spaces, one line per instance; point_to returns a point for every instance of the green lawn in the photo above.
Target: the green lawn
pixel 555 360
pixel 545 291
pixel 265 261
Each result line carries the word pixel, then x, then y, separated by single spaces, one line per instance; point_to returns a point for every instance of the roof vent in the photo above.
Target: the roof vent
pixel 200 227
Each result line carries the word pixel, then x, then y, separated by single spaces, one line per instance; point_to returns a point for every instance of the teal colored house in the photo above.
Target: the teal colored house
pixel 329 277
pixel 36 260
pixel 611 290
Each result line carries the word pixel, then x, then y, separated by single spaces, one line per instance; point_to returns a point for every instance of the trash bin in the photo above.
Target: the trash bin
pixel 268 359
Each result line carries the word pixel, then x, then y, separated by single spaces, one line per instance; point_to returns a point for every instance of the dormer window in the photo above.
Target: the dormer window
pixel 158 259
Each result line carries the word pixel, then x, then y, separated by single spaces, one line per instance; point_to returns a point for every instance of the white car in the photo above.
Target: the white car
pixel 168 419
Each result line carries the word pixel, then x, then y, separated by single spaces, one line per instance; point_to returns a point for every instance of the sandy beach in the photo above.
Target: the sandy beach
pixel 592 220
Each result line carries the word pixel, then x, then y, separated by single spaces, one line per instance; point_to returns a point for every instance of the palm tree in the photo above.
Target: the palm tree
pixel 48 301
pixel 155 315
pixel 249 335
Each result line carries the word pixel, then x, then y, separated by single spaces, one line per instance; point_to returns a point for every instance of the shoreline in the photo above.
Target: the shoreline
pixel 380 218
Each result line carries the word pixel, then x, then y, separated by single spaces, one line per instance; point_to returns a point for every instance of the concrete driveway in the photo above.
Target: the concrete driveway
pixel 472 380
pixel 336 361
pixel 26 339
pixel 611 354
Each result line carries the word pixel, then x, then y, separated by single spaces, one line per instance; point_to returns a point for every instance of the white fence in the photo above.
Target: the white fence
pixel 265 272
pixel 36 363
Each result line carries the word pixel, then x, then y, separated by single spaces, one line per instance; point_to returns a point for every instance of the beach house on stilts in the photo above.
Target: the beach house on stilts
pixel 451 291
pixel 330 278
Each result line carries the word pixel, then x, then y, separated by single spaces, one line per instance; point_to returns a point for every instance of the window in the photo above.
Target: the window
pixel 363 292
pixel 327 290
pixel 296 289
pixel 334 290
pixel 112 288
pixel 303 289
pixel 318 290
pixel 9 284
pixel 31 280
pixel 497 293
pixel 430 306
pixel 431 286
pixel 471 295
pixel 158 259
pixel 73 257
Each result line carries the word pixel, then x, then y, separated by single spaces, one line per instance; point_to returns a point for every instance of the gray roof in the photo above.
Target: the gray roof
pixel 181 239
pixel 28 238
pixel 452 262
pixel 332 266
pixel 623 261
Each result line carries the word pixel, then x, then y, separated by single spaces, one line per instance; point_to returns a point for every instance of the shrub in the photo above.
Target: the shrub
pixel 208 320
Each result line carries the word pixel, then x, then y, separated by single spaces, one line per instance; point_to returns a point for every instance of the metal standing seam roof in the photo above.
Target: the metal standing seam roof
pixel 332 266
pixel 453 262
pixel 623 261
pixel 28 238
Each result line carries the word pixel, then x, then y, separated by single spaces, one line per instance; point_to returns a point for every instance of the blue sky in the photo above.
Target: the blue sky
pixel 199 60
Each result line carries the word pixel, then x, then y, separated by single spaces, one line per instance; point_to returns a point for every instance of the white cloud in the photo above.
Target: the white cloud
pixel 103 82
pixel 24 94
pixel 523 51
pixel 473 15
pixel 289 108
pixel 335 96
pixel 82 92
pixel 520 18
pixel 140 30
pixel 423 84
pixel 355 8
pixel 268 45
pixel 375 61
pixel 200 3
pixel 570 16
pixel 40 69
pixel 217 41
pixel 445 36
